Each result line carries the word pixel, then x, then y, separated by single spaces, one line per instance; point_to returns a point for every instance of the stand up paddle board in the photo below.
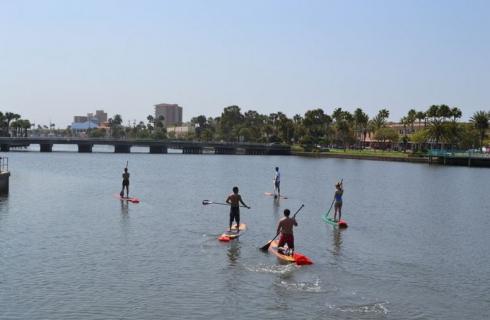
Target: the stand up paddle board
pixel 132 200
pixel 233 234
pixel 341 223
pixel 297 258
pixel 271 194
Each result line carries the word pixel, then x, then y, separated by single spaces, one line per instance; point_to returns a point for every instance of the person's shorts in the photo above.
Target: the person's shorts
pixel 277 183
pixel 234 213
pixel 338 204
pixel 125 183
pixel 286 239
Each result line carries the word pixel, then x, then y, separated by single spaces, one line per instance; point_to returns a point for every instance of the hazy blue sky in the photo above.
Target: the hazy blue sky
pixel 61 58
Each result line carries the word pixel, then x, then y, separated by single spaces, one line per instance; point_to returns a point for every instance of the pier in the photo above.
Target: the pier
pixel 4 175
pixel 85 145
pixel 459 158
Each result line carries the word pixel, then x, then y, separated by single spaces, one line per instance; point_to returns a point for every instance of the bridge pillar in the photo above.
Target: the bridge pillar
pixel 219 150
pixel 158 149
pixel 85 147
pixel 122 148
pixel 46 147
pixel 192 150
pixel 5 147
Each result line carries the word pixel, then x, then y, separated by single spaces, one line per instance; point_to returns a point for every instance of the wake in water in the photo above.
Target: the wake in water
pixel 301 286
pixel 369 308
pixel 274 269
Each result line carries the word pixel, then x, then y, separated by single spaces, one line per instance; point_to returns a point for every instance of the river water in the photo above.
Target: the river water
pixel 417 246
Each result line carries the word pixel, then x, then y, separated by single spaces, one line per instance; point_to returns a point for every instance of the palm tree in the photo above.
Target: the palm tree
pixel 456 113
pixel 480 121
pixel 420 116
pixel 9 116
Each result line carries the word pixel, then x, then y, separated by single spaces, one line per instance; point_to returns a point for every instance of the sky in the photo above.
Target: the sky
pixel 64 58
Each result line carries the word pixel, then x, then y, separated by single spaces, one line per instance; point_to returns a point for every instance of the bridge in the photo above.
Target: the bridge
pixel 155 146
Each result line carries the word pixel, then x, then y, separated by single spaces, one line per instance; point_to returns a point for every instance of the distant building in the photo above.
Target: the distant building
pixel 79 119
pixel 90 121
pixel 172 114
pixel 181 131
pixel 101 116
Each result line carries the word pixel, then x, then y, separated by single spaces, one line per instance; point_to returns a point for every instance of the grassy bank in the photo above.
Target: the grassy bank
pixel 368 154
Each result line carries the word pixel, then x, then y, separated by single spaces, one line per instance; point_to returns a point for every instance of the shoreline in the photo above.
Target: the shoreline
pixel 359 157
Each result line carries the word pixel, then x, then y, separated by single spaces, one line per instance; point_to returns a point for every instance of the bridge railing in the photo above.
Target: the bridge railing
pixel 472 153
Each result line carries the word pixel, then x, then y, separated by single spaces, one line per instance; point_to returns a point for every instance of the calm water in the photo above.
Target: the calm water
pixel 417 246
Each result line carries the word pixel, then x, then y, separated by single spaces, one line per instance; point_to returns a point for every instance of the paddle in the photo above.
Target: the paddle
pixel 206 202
pixel 328 213
pixel 266 247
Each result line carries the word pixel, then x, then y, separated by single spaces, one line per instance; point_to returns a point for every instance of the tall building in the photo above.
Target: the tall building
pixel 101 116
pixel 172 114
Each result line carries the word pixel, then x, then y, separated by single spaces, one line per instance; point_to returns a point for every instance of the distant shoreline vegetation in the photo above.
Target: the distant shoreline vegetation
pixel 436 127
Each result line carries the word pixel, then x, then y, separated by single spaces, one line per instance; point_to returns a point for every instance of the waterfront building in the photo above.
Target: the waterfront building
pixel 178 132
pixel 172 114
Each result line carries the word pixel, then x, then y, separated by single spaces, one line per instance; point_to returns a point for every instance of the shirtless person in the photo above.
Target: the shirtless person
pixel 125 183
pixel 234 200
pixel 285 227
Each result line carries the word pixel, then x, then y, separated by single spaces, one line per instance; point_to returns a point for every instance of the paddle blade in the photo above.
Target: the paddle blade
pixel 266 247
pixel 302 260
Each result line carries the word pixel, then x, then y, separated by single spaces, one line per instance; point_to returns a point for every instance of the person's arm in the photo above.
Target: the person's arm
pixel 278 227
pixel 295 222
pixel 241 201
pixel 228 200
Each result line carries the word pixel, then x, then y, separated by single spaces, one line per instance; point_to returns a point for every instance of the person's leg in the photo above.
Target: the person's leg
pixel 335 211
pixel 237 219
pixel 279 188
pixel 232 217
pixel 291 244
pixel 280 245
pixel 340 211
pixel 127 190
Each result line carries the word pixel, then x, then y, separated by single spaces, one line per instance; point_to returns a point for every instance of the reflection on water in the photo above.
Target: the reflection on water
pixel 337 240
pixel 124 208
pixel 276 205
pixel 234 251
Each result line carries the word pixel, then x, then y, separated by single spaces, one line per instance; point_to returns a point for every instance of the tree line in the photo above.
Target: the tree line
pixel 12 125
pixel 438 125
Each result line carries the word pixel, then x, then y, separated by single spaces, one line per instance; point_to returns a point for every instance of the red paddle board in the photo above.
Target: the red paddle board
pixel 132 200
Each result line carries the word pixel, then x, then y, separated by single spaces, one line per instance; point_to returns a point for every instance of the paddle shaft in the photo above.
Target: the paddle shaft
pixel 220 203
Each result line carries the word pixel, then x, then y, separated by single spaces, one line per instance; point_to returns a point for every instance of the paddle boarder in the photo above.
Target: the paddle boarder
pixel 277 183
pixel 339 191
pixel 285 227
pixel 234 201
pixel 125 183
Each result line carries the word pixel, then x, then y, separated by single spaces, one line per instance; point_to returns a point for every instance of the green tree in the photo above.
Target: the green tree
pixel 9 117
pixel 386 134
pixel 230 118
pixel 480 121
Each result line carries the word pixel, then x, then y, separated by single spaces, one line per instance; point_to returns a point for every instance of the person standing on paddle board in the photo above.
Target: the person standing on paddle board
pixel 234 201
pixel 277 183
pixel 338 200
pixel 285 227
pixel 125 183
